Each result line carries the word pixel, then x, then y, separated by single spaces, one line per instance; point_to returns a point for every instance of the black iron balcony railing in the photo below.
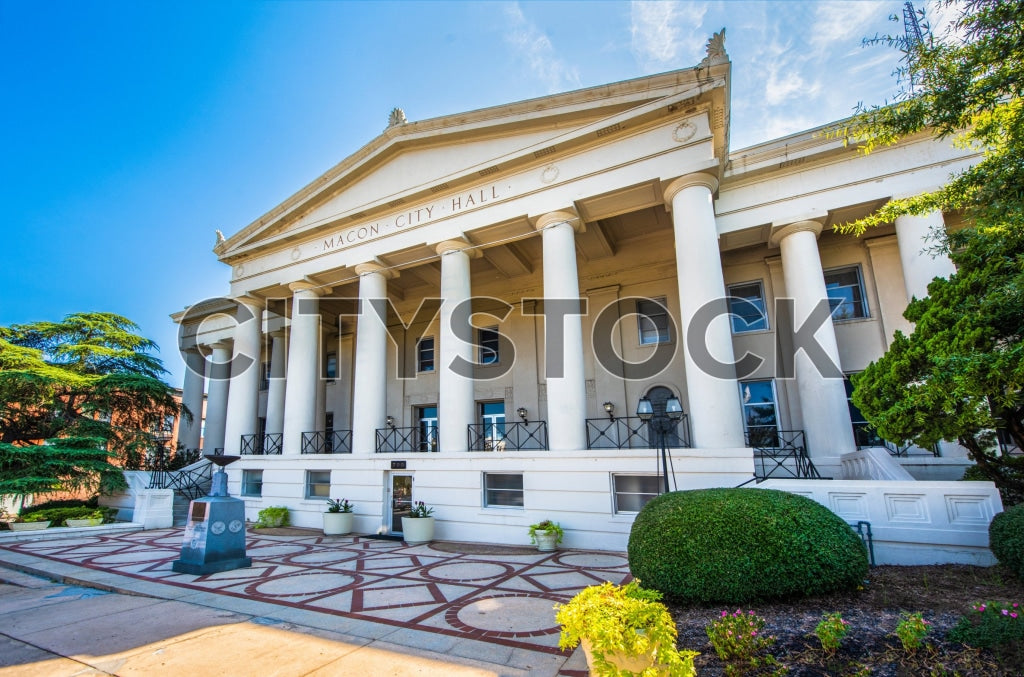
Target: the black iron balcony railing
pixel 327 442
pixel 402 440
pixel 515 436
pixel 780 454
pixel 865 436
pixel 261 445
pixel 1007 446
pixel 630 432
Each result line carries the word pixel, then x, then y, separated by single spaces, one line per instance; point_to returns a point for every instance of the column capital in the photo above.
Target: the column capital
pixel 449 246
pixel 222 344
pixel 253 302
pixel 303 285
pixel 371 267
pixel 567 216
pixel 780 231
pixel 680 184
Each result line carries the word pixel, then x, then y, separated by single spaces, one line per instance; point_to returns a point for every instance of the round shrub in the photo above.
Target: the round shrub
pixel 737 546
pixel 1006 538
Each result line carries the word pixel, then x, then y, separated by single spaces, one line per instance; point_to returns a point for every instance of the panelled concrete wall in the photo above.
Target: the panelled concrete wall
pixel 911 522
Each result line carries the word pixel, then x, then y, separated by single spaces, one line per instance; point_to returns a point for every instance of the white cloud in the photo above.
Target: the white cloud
pixel 667 34
pixel 840 24
pixel 535 47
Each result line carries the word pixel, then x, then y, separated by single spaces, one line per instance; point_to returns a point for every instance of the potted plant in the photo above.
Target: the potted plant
pixel 92 520
pixel 338 518
pixel 418 525
pixel 34 522
pixel 623 628
pixel 546 535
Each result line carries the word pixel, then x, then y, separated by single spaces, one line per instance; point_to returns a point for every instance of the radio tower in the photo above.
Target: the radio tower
pixel 913 38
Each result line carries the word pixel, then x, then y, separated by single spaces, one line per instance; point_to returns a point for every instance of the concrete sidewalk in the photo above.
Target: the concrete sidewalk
pixel 309 605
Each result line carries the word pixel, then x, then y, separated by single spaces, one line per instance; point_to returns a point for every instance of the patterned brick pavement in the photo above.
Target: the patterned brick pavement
pixel 504 598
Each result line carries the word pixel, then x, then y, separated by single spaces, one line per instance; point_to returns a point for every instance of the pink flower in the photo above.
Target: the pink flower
pixel 724 614
pixel 1013 615
pixel 753 633
pixel 1005 612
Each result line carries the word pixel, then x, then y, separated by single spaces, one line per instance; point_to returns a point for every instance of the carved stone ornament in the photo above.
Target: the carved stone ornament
pixel 220 236
pixel 397 117
pixel 683 132
pixel 715 50
pixel 549 174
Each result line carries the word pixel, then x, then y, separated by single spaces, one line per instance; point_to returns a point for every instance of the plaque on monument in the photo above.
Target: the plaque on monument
pixel 214 537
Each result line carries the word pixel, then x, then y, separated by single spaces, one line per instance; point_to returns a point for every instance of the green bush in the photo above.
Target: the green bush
pixel 1008 495
pixel 57 516
pixel 274 516
pixel 92 503
pixel 991 625
pixel 737 546
pixel 1006 538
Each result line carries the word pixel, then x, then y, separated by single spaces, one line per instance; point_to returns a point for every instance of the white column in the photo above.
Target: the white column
pixel 300 384
pixel 244 395
pixel 321 384
pixel 826 413
pixel 456 403
pixel 369 400
pixel 275 390
pixel 192 397
pixel 919 266
pixel 567 394
pixel 218 375
pixel 715 417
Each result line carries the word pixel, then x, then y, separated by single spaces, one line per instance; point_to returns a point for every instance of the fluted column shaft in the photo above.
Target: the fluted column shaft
pixel 715 417
pixel 276 387
pixel 217 372
pixel 189 432
pixel 303 349
pixel 566 394
pixel 456 404
pixel 243 397
pixel 369 399
pixel 919 266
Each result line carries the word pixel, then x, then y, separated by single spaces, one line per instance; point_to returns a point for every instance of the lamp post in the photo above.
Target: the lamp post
pixel 661 424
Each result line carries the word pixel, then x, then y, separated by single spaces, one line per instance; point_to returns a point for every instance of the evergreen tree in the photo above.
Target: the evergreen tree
pixel 960 373
pixel 75 395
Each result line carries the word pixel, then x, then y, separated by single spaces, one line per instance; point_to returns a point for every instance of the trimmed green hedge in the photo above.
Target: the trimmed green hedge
pixel 738 546
pixel 1006 538
pixel 56 516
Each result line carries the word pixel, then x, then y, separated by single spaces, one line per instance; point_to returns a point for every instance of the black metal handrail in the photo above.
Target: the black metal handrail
pixel 192 482
pixel 261 445
pixel 400 440
pixel 631 432
pixel 1007 446
pixel 780 453
pixel 515 436
pixel 866 436
pixel 327 442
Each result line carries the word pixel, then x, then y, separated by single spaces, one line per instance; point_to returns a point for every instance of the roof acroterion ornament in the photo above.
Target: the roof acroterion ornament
pixel 397 117
pixel 715 51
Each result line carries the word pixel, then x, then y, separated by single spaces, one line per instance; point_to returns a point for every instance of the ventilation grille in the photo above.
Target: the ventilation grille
pixel 490 170
pixel 544 151
pixel 439 187
pixel 611 129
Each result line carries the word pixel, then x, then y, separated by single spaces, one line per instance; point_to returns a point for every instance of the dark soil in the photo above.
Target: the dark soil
pixel 942 593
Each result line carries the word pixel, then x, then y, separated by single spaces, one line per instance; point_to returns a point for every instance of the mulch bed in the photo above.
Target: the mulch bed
pixel 941 593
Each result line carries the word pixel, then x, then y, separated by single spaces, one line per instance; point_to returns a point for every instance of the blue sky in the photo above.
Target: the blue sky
pixel 130 131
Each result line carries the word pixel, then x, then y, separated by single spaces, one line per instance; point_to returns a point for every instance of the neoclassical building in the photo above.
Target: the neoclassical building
pixel 469 310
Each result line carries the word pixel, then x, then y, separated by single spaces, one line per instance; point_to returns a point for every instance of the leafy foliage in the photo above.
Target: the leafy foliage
pixel 1006 538
pixel 911 631
pixel 991 625
pixel 72 394
pixel 738 635
pixel 830 631
pixel 959 375
pixel 272 517
pixel 549 526
pixel 742 545
pixel 627 620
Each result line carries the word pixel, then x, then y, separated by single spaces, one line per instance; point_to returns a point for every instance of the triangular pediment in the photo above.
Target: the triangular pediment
pixel 412 161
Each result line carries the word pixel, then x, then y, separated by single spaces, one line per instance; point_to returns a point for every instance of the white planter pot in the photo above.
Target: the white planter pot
pixel 547 541
pixel 87 522
pixel 630 664
pixel 338 523
pixel 28 526
pixel 417 529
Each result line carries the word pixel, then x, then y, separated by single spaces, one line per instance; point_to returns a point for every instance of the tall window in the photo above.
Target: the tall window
pixel 652 320
pixel 632 492
pixel 488 341
pixel 492 416
pixel 331 370
pixel 747 308
pixel 862 433
pixel 264 376
pixel 425 354
pixel 329 432
pixel 760 413
pixel 846 293
pixel 318 484
pixel 252 482
pixel 427 428
pixel 503 490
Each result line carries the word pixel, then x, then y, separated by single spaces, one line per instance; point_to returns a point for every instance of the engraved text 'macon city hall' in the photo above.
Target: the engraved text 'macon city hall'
pixel 414 216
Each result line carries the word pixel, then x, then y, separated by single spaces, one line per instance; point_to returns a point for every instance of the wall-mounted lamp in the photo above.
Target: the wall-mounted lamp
pixel 390 421
pixel 522 414
pixel 609 408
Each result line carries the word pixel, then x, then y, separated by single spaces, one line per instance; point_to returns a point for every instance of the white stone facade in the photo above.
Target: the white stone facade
pixel 562 224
